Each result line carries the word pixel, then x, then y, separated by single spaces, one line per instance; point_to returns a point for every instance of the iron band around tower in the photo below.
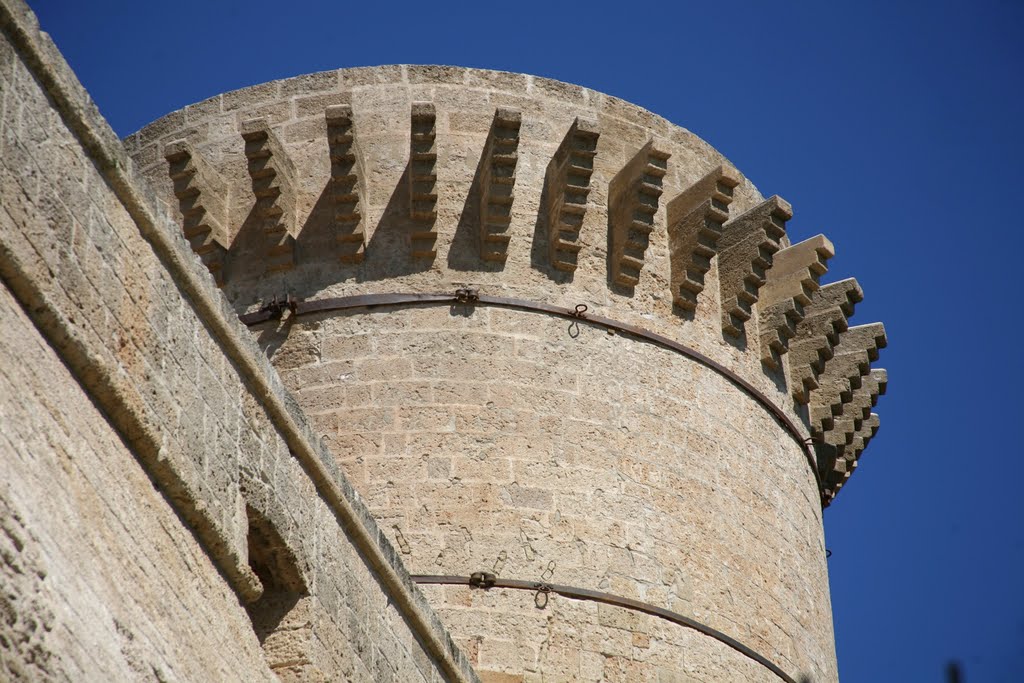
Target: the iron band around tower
pixel 470 297
pixel 487 581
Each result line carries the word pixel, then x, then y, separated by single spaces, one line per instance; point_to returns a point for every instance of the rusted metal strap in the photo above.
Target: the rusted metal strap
pixel 579 313
pixel 487 581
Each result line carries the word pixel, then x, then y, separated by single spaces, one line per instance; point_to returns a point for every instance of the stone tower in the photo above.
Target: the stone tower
pixel 409 374
pixel 561 348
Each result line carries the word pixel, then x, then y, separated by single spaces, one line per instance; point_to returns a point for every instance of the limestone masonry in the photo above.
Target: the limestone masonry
pixel 409 373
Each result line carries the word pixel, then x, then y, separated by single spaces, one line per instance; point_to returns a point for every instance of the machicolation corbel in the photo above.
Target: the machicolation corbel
pixel 695 218
pixel 847 432
pixel 852 413
pixel 791 282
pixel 851 360
pixel 423 178
pixel 273 185
pixel 347 178
pixel 202 197
pixel 745 252
pixel 568 188
pixel 839 468
pixel 497 183
pixel 818 333
pixel 632 205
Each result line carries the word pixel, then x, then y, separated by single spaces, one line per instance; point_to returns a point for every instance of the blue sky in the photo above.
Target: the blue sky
pixel 895 128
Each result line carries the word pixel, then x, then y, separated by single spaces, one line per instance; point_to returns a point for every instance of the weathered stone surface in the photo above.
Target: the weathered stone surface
pixel 93 559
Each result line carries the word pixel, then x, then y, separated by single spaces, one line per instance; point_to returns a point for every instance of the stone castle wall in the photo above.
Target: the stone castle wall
pixel 165 510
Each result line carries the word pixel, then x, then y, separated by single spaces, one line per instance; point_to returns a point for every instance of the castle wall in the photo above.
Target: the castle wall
pixel 101 580
pixel 165 507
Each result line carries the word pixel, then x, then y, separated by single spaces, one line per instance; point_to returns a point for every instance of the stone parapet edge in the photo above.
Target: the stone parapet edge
pixel 160 230
pixel 436 74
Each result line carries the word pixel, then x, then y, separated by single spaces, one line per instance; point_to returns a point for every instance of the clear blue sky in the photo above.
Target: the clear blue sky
pixel 893 127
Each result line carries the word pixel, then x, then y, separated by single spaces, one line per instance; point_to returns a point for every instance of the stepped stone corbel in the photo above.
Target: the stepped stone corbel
pixel 846 424
pixel 632 204
pixel 745 252
pixel 568 187
pixel 347 178
pixel 818 333
pixel 423 178
pixel 695 219
pixel 202 198
pixel 842 375
pixel 273 185
pixel 497 183
pixel 791 282
pixel 848 436
pixel 839 469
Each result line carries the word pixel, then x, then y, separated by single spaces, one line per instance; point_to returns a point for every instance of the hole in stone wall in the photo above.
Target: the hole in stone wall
pixel 281 616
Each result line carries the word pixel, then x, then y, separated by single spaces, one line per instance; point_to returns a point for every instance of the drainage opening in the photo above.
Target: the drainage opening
pixel 281 617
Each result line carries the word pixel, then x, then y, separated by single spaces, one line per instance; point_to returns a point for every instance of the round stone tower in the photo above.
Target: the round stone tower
pixel 592 392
